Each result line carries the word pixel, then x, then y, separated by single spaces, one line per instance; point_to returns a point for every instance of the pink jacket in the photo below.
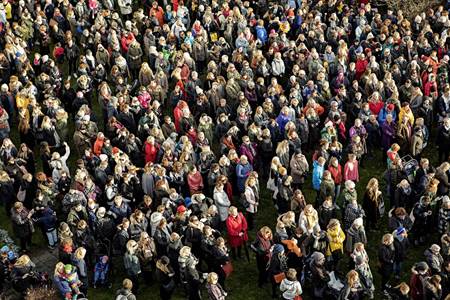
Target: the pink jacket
pixel 351 173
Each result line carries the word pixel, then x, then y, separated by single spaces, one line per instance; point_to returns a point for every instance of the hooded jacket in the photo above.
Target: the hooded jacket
pixel 290 288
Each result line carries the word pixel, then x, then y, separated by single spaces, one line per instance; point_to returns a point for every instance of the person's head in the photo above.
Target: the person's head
pixel 127 284
pixel 212 278
pixel 18 206
pixel 352 278
pixel 80 253
pixel 387 239
pixel 266 232
pixel 291 274
pixel 233 211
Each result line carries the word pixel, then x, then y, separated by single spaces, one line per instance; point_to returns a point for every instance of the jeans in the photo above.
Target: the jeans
pixel 99 277
pixel 52 238
pixel 398 267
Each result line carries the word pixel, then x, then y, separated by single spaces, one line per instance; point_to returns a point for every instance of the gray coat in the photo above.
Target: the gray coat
pixel 132 264
pixel 223 204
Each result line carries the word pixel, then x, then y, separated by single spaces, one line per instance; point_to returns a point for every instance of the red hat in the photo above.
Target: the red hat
pixel 390 106
pixel 181 209
pixel 115 150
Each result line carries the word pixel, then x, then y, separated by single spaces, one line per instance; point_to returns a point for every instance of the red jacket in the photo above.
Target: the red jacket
pixel 151 151
pixel 236 225
pixel 336 173
pixel 360 67
pixel 375 108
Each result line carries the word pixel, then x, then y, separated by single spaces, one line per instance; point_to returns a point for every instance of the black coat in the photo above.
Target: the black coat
pixel 386 256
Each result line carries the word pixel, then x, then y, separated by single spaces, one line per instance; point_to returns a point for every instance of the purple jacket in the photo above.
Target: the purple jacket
pixel 249 151
pixel 387 134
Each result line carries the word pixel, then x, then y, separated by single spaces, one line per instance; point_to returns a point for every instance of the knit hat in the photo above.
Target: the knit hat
pixel 181 209
pixel 400 230
pixel 68 268
pixel 349 184
pixel 421 267
pixel 390 107
pixel 435 248
pixel 278 248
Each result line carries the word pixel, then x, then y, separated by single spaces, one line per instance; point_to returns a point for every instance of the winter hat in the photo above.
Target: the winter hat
pixel 68 268
pixel 400 230
pixel 181 209
pixel 421 267
pixel 435 248
pixel 317 257
pixel 278 248
pixel 349 184
pixel 390 107
pixel 4 249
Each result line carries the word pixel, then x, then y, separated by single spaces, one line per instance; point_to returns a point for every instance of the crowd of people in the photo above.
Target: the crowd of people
pixel 142 138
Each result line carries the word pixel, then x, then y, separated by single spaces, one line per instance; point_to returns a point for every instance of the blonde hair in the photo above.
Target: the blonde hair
pixel 266 230
pixel 352 278
pixel 58 267
pixel 127 284
pixel 22 261
pixel 212 278
pixel 80 253
pixel 387 239
pixel 291 274
pixel 185 251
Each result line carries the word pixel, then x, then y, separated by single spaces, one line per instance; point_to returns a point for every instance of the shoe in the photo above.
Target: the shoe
pixel 95 286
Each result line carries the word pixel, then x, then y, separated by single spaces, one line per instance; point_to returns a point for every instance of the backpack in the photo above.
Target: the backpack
pixel 122 296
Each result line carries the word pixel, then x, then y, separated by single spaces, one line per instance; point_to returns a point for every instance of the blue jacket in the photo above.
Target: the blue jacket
pixel 62 285
pixel 47 220
pixel 317 175
pixel 242 172
pixel 261 34
pixel 383 113
pixel 282 120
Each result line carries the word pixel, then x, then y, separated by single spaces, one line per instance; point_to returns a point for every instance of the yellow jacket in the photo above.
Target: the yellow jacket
pixel 409 114
pixel 336 236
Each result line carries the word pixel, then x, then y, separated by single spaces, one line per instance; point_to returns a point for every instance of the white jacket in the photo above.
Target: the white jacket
pixel 290 289
pixel 125 7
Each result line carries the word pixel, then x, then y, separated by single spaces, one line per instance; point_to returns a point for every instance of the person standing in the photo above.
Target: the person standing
pixel 261 246
pixel 132 264
pixel 386 256
pixel 125 291
pixel 237 232
pixel 22 225
pixel 166 275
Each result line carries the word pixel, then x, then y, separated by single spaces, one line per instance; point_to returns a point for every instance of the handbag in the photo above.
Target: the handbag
pixel 271 184
pixel 21 194
pixel 227 268
pixel 381 207
pixel 279 277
